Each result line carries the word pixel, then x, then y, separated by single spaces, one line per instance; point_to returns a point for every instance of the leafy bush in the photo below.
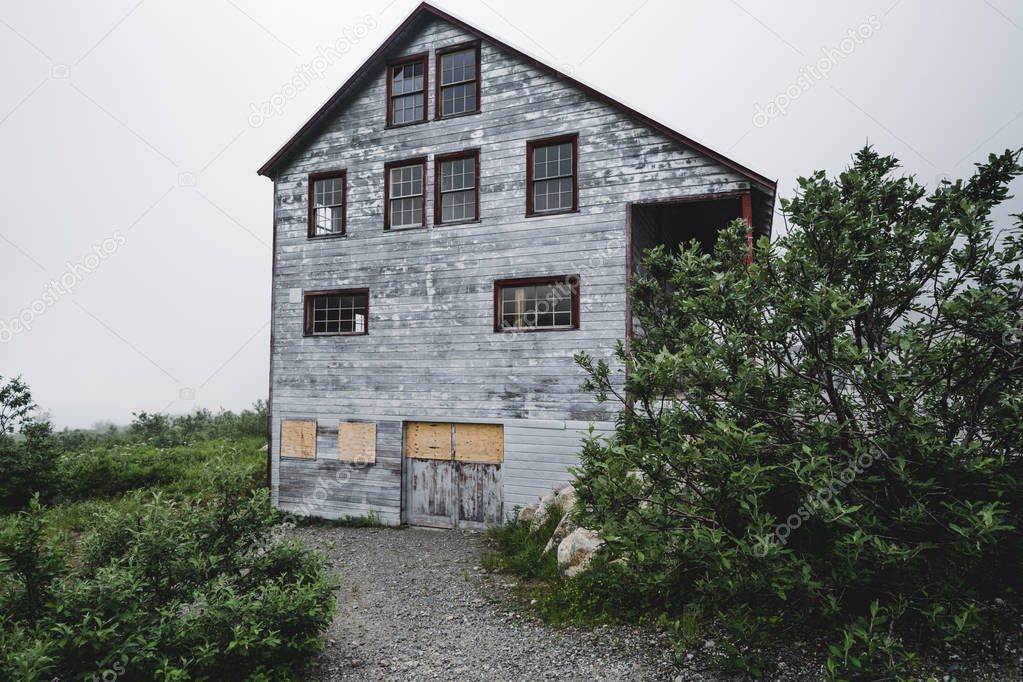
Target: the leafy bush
pixel 196 590
pixel 26 559
pixel 110 471
pixel 831 440
pixel 604 593
pixel 27 465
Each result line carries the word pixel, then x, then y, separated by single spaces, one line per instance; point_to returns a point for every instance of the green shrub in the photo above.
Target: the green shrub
pixel 192 589
pixel 112 470
pixel 832 440
pixel 604 593
pixel 27 465
pixel 27 565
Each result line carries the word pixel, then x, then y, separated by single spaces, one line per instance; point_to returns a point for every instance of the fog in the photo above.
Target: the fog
pixel 135 237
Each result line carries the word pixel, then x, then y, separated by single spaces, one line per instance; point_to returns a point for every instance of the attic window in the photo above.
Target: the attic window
pixel 327 204
pixel 552 184
pixel 406 90
pixel 536 304
pixel 458 80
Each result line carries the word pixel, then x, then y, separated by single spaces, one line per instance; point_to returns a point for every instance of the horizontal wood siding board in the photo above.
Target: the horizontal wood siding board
pixel 331 488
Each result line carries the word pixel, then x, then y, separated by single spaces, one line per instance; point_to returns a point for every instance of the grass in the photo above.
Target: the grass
pixel 371 520
pixel 518 549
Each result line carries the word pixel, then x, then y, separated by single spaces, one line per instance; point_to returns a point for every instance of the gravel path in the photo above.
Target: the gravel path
pixel 414 604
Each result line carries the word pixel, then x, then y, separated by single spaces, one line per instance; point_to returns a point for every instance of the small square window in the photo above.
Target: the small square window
pixel 536 304
pixel 337 312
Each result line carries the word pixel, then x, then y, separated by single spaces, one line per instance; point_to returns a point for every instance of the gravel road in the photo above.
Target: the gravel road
pixel 415 604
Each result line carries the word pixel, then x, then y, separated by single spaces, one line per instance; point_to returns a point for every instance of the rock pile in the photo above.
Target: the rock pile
pixel 575 546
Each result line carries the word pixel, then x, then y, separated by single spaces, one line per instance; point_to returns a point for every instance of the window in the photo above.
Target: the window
pixel 458 80
pixel 298 438
pixel 406 90
pixel 327 194
pixel 456 181
pixel 551 175
pixel 404 194
pixel 536 304
pixel 342 311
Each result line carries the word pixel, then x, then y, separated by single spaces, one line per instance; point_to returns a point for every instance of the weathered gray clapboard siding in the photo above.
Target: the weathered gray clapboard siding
pixel 431 353
pixel 332 489
pixel 537 458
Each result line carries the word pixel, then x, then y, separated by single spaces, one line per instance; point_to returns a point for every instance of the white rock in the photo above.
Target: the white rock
pixel 527 513
pixel 565 526
pixel 565 498
pixel 576 551
pixel 543 508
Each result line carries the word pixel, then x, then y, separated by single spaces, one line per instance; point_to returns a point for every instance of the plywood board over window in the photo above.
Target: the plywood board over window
pixel 357 442
pixel 424 440
pixel 298 438
pixel 482 443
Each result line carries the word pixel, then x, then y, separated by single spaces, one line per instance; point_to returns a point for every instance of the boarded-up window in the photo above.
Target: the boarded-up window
pixel 428 441
pixel 479 443
pixel 357 442
pixel 298 438
pixel 483 443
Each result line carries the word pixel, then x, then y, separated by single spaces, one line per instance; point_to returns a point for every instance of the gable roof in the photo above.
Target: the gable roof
pixel 425 9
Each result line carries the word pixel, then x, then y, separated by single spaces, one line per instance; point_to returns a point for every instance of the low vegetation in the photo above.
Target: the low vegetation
pixel 150 552
pixel 827 443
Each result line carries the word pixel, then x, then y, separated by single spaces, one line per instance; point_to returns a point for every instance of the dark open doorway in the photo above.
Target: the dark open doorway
pixel 676 221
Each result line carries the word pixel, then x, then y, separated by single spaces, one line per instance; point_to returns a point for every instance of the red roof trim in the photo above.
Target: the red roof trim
pixel 426 8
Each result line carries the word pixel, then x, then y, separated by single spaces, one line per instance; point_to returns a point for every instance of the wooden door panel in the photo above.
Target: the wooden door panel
pixel 432 499
pixel 479 494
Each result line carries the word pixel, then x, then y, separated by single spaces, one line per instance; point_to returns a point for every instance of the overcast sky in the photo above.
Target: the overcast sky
pixel 135 238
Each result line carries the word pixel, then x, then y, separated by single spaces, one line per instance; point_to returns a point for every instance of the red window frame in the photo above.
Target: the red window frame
pixel 308 298
pixel 499 285
pixel 311 216
pixel 454 156
pixel 437 100
pixel 423 57
pixel 421 161
pixel 550 141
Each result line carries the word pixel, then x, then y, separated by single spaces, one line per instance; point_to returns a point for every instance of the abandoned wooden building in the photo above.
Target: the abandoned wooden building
pixel 452 198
